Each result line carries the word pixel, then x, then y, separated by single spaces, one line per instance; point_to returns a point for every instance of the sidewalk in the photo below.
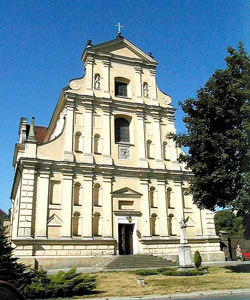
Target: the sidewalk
pixel 180 295
pixel 96 270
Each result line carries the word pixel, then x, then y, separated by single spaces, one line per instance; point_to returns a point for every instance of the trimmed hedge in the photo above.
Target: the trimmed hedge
pixel 171 272
pixel 147 272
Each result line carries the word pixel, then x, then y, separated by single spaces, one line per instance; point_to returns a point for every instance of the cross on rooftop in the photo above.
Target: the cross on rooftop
pixel 119 27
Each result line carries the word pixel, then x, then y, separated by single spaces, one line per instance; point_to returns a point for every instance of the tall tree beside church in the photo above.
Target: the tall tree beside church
pixel 218 138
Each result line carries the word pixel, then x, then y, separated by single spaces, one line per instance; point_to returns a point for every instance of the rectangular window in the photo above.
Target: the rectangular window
pixel 121 89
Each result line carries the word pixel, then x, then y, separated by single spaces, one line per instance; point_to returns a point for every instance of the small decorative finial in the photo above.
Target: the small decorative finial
pixel 89 44
pixel 119 29
pixel 31 137
pixel 150 54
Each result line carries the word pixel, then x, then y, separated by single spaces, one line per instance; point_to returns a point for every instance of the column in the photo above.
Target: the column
pixel 138 84
pixel 67 200
pixel 42 204
pixel 89 76
pixel 107 208
pixel 145 224
pixel 87 207
pixel 141 141
pixel 106 153
pixel 178 202
pixel 153 87
pixel 159 162
pixel 69 129
pixel 88 128
pixel 162 205
pixel 106 78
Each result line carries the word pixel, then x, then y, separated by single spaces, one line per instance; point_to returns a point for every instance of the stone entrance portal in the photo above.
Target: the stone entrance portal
pixel 125 232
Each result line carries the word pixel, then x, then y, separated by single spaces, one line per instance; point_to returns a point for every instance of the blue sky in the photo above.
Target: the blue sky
pixel 42 42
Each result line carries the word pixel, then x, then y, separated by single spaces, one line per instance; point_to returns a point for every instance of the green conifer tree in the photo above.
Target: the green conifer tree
pixel 10 270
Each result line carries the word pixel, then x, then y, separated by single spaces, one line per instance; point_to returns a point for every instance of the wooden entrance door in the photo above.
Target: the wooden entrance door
pixel 126 239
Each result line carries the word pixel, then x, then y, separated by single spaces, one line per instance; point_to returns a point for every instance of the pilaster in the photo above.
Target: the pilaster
pixel 87 207
pixel 88 125
pixel 106 155
pixel 178 202
pixel 159 162
pixel 208 223
pixel 153 87
pixel 67 203
pixel 198 222
pixel 89 76
pixel 68 144
pixel 162 204
pixel 26 214
pixel 106 78
pixel 42 203
pixel 138 84
pixel 175 165
pixel 145 226
pixel 141 141
pixel 107 208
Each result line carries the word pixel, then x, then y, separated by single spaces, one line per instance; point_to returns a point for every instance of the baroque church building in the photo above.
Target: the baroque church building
pixel 103 179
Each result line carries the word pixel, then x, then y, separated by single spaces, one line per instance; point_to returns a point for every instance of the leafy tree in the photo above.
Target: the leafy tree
pixel 226 220
pixel 218 135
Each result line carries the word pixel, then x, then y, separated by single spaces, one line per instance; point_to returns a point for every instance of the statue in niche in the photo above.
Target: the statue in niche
pixel 183 232
pixel 145 89
pixel 97 84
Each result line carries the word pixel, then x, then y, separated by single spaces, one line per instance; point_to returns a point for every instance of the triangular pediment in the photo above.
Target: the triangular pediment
pixel 54 220
pixel 126 192
pixel 121 47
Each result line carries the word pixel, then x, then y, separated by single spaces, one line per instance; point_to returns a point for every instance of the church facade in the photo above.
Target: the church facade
pixel 103 179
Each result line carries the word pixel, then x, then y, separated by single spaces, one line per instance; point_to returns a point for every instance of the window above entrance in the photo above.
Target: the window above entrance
pixel 121 87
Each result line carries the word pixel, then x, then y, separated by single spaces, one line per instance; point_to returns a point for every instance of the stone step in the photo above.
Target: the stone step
pixel 138 261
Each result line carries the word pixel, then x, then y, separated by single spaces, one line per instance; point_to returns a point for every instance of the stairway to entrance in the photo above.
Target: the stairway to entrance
pixel 138 261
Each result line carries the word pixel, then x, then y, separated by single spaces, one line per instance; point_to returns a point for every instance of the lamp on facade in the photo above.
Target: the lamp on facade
pixel 129 218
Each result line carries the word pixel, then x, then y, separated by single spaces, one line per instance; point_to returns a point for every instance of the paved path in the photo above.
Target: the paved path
pixel 241 294
pixel 95 270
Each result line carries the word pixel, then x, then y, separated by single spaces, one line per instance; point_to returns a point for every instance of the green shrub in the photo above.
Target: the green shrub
pixel 174 272
pixel 197 259
pixel 146 272
pixel 63 284
pixel 161 270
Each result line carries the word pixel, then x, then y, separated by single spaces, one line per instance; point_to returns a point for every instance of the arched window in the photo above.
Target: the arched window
pixel 152 197
pixel 121 87
pixel 78 142
pixel 171 225
pixel 75 223
pixel 97 146
pixel 96 194
pixel 96 224
pixel 121 130
pixel 149 149
pixel 77 189
pixel 153 224
pixel 169 198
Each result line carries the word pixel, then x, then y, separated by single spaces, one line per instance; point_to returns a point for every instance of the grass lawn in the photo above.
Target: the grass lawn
pixel 124 283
